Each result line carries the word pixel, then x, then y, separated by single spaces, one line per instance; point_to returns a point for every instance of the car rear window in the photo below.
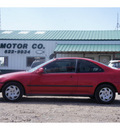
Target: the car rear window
pixel 85 66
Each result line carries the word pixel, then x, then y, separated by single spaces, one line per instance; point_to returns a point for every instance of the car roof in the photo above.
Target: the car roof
pixel 114 61
pixel 77 58
pixel 73 58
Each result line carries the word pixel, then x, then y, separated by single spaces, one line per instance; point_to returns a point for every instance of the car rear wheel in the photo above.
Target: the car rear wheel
pixel 12 91
pixel 105 93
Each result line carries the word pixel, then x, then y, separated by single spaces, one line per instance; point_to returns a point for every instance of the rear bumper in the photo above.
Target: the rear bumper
pixel 1 84
pixel 117 85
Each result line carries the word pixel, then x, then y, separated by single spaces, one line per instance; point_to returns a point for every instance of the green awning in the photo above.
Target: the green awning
pixel 61 35
pixel 61 48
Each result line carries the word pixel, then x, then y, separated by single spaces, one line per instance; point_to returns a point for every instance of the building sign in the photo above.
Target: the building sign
pixel 21 48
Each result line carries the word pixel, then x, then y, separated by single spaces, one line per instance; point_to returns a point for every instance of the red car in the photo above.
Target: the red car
pixel 63 77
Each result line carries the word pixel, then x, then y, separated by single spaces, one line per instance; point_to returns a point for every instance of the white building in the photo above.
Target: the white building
pixel 18 49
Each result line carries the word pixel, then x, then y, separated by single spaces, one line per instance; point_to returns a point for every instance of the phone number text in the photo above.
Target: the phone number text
pixel 17 52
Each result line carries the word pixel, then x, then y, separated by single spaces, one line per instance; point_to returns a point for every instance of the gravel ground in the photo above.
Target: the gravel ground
pixel 59 109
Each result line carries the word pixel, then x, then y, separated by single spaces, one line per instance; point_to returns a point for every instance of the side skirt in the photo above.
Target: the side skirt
pixel 82 95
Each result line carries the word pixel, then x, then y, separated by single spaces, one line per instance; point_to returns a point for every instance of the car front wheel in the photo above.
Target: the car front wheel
pixel 12 92
pixel 105 94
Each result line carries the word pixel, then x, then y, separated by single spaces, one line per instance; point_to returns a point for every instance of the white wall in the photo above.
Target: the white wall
pixel 18 61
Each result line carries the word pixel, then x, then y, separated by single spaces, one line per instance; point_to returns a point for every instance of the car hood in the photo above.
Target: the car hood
pixel 13 73
pixel 14 76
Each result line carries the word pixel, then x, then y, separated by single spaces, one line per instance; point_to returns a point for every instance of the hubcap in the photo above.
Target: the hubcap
pixel 12 92
pixel 106 94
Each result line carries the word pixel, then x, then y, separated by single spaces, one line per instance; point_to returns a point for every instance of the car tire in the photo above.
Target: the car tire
pixel 105 94
pixel 12 92
pixel 92 97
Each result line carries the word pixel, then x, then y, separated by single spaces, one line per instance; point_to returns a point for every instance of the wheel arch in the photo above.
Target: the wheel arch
pixel 15 82
pixel 108 84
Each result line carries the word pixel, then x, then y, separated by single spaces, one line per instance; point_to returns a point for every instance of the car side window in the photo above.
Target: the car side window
pixel 85 66
pixel 61 66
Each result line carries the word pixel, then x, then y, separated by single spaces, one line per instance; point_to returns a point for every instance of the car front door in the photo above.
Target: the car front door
pixel 59 77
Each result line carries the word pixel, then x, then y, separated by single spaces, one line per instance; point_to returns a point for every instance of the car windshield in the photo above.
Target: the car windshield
pixel 35 68
pixel 116 64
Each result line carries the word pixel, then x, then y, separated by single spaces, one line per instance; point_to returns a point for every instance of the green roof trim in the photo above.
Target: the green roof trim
pixel 63 48
pixel 60 35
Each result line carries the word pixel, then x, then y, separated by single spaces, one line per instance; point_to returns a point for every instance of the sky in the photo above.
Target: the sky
pixel 59 18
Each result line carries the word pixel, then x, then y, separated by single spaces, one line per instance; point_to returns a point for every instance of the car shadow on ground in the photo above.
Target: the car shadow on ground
pixel 63 101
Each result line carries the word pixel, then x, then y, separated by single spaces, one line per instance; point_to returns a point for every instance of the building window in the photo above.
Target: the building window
pixel 3 61
pixel 30 60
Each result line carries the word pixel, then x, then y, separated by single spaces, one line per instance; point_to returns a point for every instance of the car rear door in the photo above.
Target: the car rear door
pixel 89 75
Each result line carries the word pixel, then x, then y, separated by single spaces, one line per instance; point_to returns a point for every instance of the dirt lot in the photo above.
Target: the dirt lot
pixel 59 109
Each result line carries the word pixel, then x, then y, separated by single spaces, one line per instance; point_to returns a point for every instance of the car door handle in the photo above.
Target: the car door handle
pixel 70 76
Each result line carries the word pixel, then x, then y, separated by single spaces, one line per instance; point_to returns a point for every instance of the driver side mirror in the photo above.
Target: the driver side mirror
pixel 40 70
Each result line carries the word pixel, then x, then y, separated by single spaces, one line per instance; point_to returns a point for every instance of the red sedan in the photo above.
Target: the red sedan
pixel 63 77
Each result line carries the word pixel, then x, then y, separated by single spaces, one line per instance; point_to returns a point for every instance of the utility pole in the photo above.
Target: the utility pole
pixel 0 18
pixel 118 25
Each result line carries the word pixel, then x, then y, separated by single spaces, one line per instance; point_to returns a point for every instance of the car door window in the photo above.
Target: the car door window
pixel 61 66
pixel 85 66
